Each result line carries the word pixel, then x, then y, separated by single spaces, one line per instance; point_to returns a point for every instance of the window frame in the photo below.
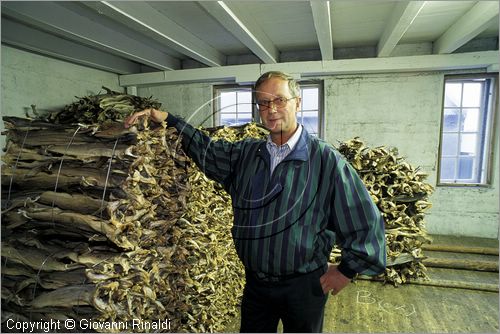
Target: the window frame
pixel 321 114
pixel 488 133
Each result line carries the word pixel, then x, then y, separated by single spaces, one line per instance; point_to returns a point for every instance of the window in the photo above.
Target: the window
pixel 309 115
pixel 466 130
pixel 233 105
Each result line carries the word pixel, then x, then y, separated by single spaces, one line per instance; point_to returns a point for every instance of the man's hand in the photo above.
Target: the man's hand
pixel 333 280
pixel 155 115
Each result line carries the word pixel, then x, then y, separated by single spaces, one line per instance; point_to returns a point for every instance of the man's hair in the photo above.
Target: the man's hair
pixel 293 85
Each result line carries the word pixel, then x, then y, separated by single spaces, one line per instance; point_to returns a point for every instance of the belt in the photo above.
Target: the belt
pixel 264 277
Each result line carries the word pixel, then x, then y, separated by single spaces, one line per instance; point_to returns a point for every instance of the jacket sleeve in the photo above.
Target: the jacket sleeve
pixel 358 225
pixel 216 159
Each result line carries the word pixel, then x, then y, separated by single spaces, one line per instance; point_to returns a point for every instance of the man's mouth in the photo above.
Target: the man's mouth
pixel 272 123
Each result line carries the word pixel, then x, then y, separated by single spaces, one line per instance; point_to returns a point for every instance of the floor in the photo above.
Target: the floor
pixel 368 307
pixel 372 307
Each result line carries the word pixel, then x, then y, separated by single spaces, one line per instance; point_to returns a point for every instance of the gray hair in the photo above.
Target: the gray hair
pixel 293 85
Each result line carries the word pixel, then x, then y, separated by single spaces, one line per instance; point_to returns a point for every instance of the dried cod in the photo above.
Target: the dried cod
pixel 112 224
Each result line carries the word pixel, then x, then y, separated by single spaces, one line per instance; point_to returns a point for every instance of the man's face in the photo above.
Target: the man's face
pixel 279 120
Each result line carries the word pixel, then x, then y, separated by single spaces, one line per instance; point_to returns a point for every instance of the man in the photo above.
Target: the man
pixel 293 197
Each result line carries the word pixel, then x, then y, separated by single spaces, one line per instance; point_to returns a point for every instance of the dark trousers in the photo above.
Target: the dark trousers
pixel 299 302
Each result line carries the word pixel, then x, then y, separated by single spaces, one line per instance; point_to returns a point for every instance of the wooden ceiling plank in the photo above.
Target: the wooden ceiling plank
pixel 163 29
pixel 28 38
pixel 323 25
pixel 402 17
pixel 61 21
pixel 472 23
pixel 243 28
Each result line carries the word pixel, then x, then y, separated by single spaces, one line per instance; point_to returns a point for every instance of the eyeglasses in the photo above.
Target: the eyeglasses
pixel 279 102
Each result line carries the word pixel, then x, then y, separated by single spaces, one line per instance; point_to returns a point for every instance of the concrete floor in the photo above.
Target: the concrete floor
pixel 372 307
pixel 368 307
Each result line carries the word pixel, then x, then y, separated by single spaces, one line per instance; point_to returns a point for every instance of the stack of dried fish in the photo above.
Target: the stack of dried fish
pixel 217 276
pixel 106 224
pixel 401 194
pixel 100 109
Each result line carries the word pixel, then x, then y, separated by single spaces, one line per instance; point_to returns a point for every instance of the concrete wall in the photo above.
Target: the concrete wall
pixel 400 110
pixel 50 84
pixel 193 102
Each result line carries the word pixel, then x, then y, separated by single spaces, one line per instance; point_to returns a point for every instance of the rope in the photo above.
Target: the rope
pixel 15 167
pixel 60 167
pixel 106 182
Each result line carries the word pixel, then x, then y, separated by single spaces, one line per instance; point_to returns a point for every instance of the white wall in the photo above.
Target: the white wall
pixel 50 84
pixel 193 102
pixel 400 110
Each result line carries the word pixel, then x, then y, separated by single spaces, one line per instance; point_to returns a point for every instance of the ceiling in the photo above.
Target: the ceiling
pixel 127 37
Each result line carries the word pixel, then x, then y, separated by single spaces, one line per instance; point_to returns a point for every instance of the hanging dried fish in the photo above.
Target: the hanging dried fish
pixel 401 194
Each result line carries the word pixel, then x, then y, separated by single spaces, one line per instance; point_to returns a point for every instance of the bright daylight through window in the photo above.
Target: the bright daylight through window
pixel 466 130
pixel 233 106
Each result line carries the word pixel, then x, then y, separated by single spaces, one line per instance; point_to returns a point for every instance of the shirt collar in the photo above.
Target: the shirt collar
pixel 292 142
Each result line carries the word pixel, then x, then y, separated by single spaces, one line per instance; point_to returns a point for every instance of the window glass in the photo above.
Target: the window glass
pixel 448 168
pixel 468 144
pixel 310 121
pixel 470 120
pixel 227 100
pixel 465 167
pixel 245 103
pixel 450 144
pixel 453 95
pixel 309 115
pixel 244 118
pixel 310 99
pixel 228 119
pixel 472 95
pixel 450 121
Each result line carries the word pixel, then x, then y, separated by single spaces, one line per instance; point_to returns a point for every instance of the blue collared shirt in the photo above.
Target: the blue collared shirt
pixel 278 153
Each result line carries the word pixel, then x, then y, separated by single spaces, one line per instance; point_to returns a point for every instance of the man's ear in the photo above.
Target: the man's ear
pixel 298 102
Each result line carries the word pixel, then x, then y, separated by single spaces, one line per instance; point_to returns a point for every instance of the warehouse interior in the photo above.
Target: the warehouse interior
pixel 381 69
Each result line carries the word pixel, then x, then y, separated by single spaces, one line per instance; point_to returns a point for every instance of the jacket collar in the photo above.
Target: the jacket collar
pixel 300 152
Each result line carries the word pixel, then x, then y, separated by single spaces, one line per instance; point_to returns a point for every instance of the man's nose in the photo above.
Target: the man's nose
pixel 272 107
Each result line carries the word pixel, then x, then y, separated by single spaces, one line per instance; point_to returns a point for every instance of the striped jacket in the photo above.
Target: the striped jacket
pixel 286 223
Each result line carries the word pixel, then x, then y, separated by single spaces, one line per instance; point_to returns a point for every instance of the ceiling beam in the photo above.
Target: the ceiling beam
pixel 22 36
pixel 237 73
pixel 61 21
pixel 323 25
pixel 456 61
pixel 401 19
pixel 313 69
pixel 153 23
pixel 244 28
pixel 476 20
